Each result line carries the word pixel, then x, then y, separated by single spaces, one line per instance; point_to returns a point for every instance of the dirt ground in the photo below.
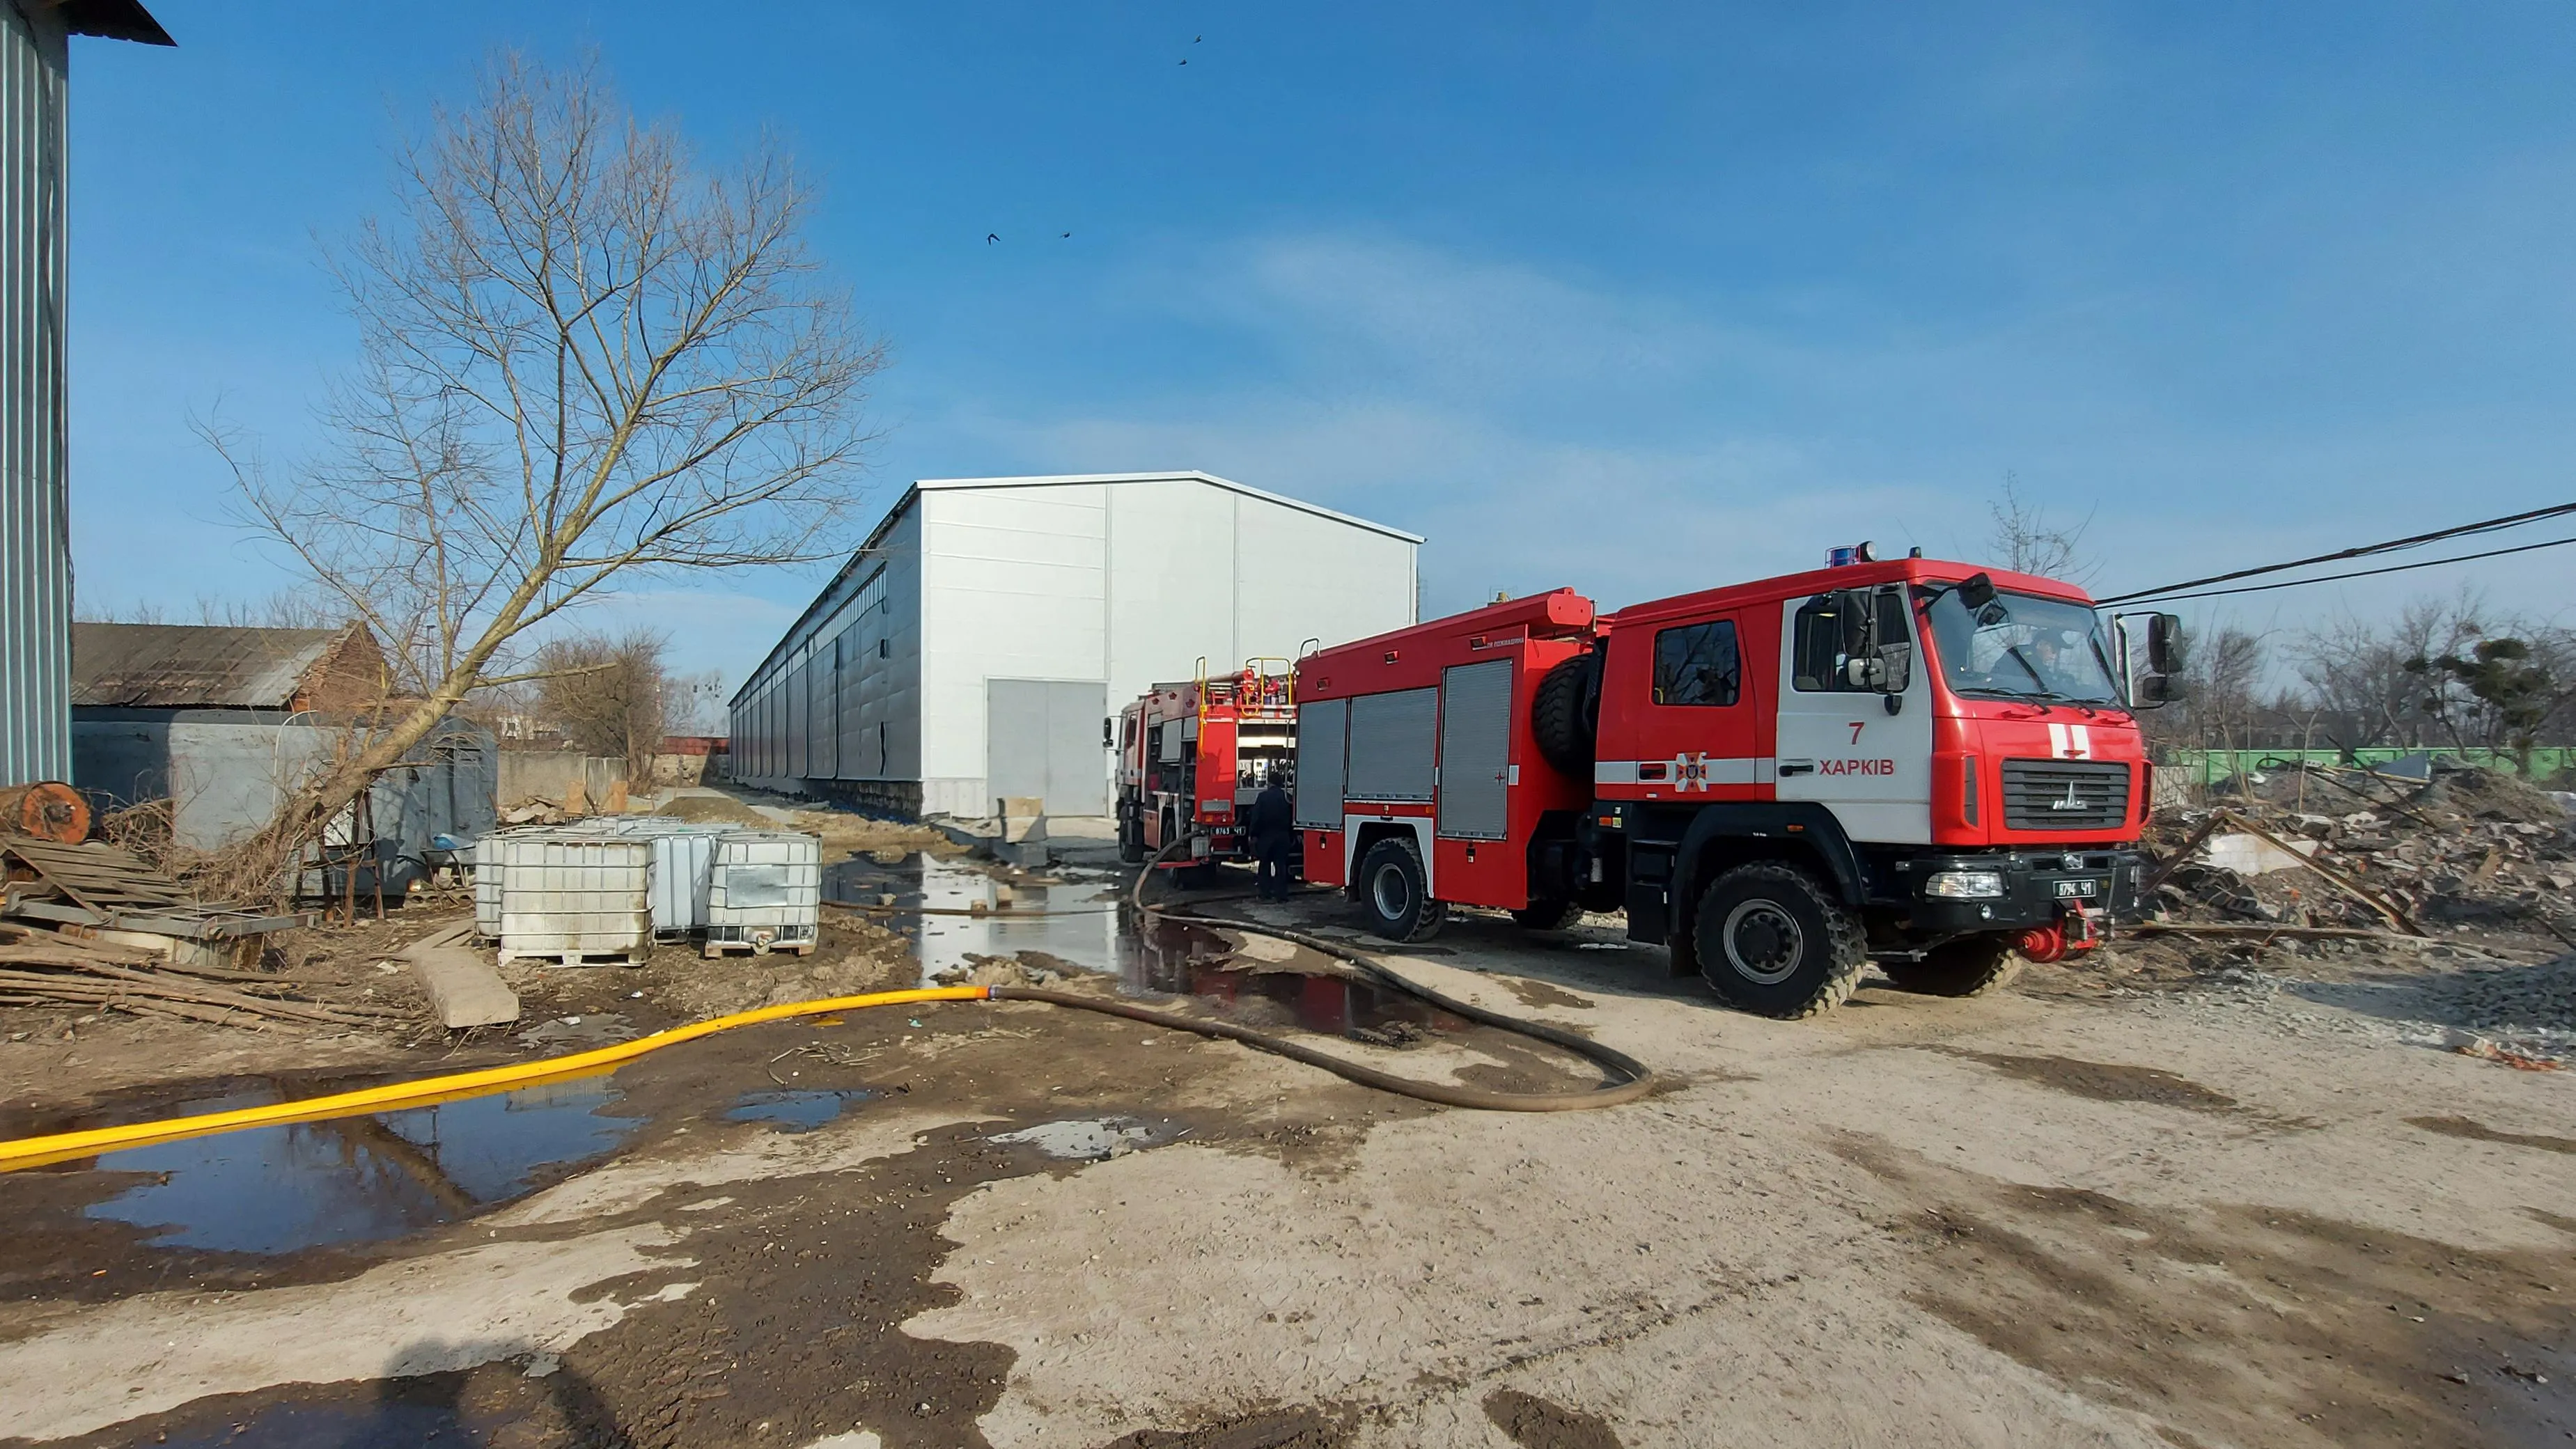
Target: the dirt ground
pixel 2183 1194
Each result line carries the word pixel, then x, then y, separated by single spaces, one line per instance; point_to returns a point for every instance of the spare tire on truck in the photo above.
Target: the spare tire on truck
pixel 1565 710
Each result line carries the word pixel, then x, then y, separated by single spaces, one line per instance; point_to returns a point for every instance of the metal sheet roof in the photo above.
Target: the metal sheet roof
pixel 114 20
pixel 192 666
pixel 1052 480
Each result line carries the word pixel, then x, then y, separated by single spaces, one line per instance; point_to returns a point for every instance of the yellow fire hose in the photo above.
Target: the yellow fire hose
pixel 1630 1079
pixel 398 1096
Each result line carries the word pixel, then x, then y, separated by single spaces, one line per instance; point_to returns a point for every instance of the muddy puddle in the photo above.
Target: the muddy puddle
pixel 284 1189
pixel 795 1110
pixel 1087 925
pixel 351 1180
pixel 1080 923
pixel 1334 1005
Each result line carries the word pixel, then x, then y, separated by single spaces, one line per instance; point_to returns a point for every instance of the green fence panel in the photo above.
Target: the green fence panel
pixel 2208 767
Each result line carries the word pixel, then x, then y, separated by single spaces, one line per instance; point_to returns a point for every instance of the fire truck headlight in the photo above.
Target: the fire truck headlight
pixel 1965 885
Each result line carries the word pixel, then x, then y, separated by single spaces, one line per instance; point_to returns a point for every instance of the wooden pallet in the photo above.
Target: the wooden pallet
pixel 96 884
pixel 634 957
pixel 727 948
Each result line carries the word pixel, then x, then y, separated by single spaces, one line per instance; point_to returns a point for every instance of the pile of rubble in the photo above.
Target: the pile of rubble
pixel 2468 851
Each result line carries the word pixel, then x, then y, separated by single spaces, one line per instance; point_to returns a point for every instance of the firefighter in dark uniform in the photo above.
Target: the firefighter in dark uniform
pixel 1273 829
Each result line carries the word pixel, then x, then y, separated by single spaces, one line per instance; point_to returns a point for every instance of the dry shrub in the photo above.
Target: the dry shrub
pixel 257 868
pixel 145 831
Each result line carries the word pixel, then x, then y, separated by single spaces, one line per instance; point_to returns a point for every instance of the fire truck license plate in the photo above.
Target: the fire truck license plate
pixel 2077 889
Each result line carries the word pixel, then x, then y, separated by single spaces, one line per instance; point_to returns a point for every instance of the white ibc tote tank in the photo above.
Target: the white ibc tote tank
pixel 765 892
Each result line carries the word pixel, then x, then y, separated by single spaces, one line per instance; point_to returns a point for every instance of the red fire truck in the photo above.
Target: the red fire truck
pixel 1192 756
pixel 1922 764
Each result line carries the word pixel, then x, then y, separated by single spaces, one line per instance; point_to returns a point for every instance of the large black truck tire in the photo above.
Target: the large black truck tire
pixel 1563 713
pixel 1771 940
pixel 1969 966
pixel 1395 893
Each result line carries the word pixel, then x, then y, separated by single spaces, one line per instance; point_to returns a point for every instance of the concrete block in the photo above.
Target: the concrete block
pixel 1023 818
pixel 464 989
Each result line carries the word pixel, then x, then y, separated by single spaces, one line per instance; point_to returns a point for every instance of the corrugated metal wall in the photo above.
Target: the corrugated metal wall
pixel 35 541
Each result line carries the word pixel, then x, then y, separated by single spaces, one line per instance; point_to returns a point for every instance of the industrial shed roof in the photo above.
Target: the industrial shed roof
pixel 114 20
pixel 1190 476
pixel 197 666
pixel 868 550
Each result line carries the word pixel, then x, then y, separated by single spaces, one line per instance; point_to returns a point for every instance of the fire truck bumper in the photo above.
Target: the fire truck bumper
pixel 2022 889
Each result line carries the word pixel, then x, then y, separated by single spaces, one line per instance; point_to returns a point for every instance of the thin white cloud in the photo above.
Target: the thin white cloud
pixel 1543 429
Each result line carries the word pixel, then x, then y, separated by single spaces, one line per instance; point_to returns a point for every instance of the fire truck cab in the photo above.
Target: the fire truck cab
pixel 1192 756
pixel 1922 764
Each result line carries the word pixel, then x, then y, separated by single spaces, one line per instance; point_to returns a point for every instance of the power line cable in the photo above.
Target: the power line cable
pixel 2355 574
pixel 2511 520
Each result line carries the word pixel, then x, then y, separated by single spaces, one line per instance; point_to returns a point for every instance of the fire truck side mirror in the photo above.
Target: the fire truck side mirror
pixel 1895 666
pixel 1108 732
pixel 1977 595
pixel 2151 686
pixel 2163 631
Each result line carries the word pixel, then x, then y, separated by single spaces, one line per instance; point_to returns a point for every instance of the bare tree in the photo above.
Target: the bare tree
pixel 286 609
pixel 2222 681
pixel 584 357
pixel 2356 671
pixel 697 703
pixel 609 695
pixel 2027 541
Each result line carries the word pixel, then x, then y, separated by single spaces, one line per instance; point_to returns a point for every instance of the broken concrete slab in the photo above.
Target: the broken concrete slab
pixel 464 989
pixel 2251 855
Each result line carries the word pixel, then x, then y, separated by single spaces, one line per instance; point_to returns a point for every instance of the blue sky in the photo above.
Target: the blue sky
pixel 1640 300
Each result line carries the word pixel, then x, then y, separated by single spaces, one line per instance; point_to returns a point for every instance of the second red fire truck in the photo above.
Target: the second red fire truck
pixel 1192 756
pixel 1925 765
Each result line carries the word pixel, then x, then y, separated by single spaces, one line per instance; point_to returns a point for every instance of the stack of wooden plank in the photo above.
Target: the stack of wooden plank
pixel 96 884
pixel 94 926
pixel 45 968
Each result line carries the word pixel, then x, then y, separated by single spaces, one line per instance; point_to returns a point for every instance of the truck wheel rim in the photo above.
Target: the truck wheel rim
pixel 1392 893
pixel 1763 942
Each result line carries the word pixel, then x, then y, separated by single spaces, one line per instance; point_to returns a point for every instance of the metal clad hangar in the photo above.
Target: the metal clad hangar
pixel 973 646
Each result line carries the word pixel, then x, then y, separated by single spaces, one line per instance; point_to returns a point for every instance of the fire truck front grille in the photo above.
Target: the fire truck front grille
pixel 2065 795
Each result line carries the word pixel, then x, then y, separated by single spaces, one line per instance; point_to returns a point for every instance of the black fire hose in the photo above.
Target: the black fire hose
pixel 1629 1079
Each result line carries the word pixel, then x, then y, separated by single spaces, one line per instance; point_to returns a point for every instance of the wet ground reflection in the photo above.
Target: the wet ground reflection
pixel 1085 924
pixel 355 1179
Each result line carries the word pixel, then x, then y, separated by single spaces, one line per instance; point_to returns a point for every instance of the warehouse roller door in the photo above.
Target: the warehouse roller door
pixel 1042 739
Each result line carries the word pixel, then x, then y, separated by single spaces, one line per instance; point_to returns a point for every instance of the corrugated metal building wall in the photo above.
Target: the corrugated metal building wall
pixel 35 539
pixel 974 644
pixel 35 512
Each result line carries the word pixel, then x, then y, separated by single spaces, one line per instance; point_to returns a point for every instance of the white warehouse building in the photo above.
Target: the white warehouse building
pixel 973 647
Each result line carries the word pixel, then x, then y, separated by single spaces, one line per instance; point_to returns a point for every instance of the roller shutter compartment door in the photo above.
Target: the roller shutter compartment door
pixel 1042 739
pixel 1391 740
pixel 1321 729
pixel 1475 749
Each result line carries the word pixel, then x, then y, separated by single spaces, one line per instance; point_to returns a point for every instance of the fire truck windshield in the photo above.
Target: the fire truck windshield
pixel 2025 647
